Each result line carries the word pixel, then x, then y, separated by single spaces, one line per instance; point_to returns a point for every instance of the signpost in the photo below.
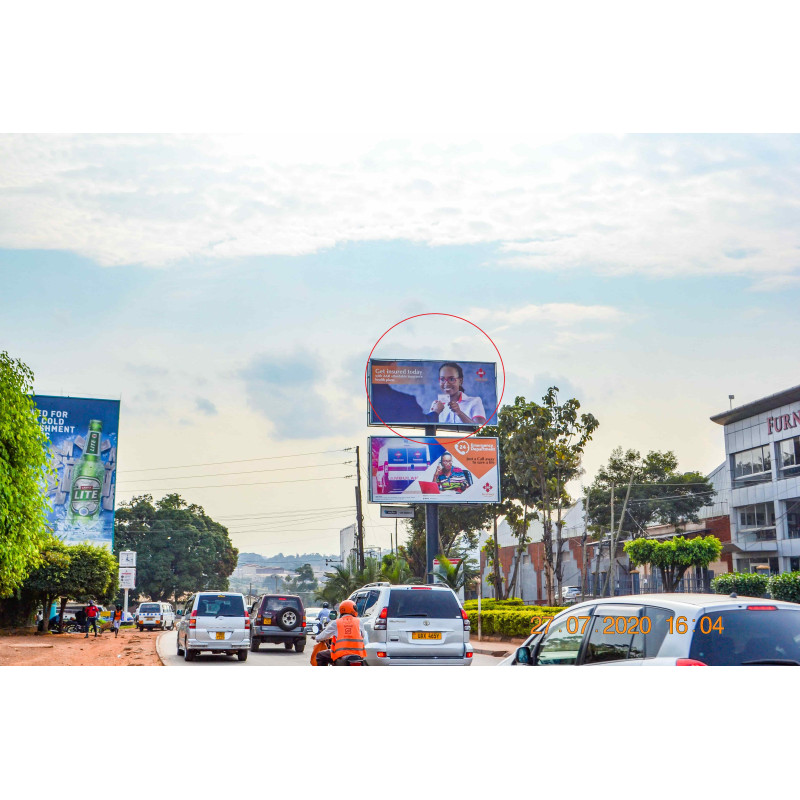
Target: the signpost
pixel 397 512
pixel 127 573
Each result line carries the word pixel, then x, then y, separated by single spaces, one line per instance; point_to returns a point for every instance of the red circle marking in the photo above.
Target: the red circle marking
pixel 435 314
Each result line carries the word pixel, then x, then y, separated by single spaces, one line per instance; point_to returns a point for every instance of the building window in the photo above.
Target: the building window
pixel 761 565
pixel 789 456
pixel 793 519
pixel 756 523
pixel 752 466
pixel 794 564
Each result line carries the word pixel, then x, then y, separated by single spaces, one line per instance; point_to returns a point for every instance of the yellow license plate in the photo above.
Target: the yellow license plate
pixel 267 621
pixel 426 635
pixel 220 635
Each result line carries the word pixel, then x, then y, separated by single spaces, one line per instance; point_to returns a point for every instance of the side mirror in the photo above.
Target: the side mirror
pixel 524 656
pixel 180 612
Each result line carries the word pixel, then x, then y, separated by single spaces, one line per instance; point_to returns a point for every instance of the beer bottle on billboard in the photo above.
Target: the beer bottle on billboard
pixel 87 479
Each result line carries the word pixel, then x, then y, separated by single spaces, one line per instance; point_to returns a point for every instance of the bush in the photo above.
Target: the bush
pixel 509 621
pixel 489 603
pixel 747 584
pixel 785 587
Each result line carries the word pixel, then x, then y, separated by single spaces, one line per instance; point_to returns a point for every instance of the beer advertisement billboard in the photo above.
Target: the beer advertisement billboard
pixel 448 394
pixel 434 470
pixel 83 451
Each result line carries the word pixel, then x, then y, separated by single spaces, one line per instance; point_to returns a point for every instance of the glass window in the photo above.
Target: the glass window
pixel 758 515
pixel 794 564
pixel 361 602
pixel 369 603
pixel 790 454
pixel 149 608
pixel 752 465
pixel 423 603
pixel 220 605
pixel 277 603
pixel 615 635
pixel 559 646
pixel 658 629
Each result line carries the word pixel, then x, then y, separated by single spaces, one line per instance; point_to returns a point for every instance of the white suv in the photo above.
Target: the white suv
pixel 413 625
pixel 214 622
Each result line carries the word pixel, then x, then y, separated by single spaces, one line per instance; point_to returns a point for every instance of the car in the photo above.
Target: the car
pixel 413 625
pixel 278 619
pixel 569 594
pixel 214 622
pixel 313 625
pixel 666 629
pixel 153 615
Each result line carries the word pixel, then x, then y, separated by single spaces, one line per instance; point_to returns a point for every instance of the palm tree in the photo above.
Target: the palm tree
pixel 456 576
pixel 396 570
pixel 344 580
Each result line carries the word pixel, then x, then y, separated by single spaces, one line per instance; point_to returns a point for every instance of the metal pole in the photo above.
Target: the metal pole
pixel 359 515
pixel 395 537
pixel 480 592
pixel 431 526
pixel 126 601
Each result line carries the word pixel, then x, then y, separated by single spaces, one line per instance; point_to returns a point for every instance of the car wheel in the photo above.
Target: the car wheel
pixel 254 644
pixel 141 628
pixel 178 643
pixel 287 645
pixel 188 655
pixel 299 647
pixel 242 655
pixel 288 618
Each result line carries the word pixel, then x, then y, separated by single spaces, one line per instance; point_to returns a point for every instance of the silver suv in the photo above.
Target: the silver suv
pixel 647 630
pixel 214 622
pixel 413 625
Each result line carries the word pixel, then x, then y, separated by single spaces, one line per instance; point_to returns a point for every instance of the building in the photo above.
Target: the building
pixel 348 543
pixel 762 451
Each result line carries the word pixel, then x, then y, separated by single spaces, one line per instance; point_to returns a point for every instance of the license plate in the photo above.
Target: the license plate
pixel 220 635
pixel 267 621
pixel 426 635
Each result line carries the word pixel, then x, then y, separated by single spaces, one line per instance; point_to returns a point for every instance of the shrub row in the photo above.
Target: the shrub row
pixel 509 621
pixel 488 603
pixel 785 587
pixel 743 583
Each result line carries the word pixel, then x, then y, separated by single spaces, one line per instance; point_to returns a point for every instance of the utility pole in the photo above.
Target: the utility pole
pixel 431 526
pixel 359 515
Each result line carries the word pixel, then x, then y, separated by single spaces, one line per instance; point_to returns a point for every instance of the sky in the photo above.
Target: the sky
pixel 230 296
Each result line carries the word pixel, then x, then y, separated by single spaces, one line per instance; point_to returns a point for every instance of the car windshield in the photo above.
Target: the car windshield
pixel 149 608
pixel 277 603
pixel 423 603
pixel 220 605
pixel 741 637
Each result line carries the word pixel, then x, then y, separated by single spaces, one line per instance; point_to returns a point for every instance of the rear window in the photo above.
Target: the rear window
pixel 423 603
pixel 277 603
pixel 747 637
pixel 220 605
pixel 149 608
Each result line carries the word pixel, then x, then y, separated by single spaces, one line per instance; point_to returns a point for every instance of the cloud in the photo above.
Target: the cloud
pixel 659 205
pixel 288 391
pixel 205 406
pixel 559 314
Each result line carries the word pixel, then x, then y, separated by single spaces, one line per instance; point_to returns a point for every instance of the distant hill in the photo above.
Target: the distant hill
pixel 288 561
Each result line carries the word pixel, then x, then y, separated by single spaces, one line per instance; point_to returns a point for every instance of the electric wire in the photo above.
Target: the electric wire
pixel 245 472
pixel 243 460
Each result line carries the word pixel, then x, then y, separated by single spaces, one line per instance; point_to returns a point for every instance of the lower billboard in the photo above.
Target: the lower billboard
pixel 83 451
pixel 434 470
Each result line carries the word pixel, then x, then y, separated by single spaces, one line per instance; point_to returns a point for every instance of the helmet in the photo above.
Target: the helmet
pixel 348 607
pixel 119 607
pixel 325 605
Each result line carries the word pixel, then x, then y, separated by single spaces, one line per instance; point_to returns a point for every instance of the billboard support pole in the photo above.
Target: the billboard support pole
pixel 125 609
pixel 359 515
pixel 431 526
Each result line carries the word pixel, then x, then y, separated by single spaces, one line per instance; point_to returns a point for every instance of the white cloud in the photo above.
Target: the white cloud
pixel 559 314
pixel 656 205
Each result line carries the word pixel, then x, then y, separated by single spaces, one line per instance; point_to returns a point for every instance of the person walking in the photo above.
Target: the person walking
pixel 116 620
pixel 92 612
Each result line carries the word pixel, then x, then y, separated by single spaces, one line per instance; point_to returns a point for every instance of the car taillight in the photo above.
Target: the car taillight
pixel 381 654
pixel 247 623
pixel 762 608
pixel 690 662
pixel 428 588
pixel 465 617
pixel 192 623
pixel 380 621
pixel 304 620
pixel 469 654
pixel 194 613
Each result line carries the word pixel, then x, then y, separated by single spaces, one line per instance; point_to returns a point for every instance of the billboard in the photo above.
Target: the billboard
pixel 449 394
pixel 83 450
pixel 434 470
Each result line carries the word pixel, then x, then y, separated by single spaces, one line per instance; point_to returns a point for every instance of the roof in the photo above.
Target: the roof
pixel 758 406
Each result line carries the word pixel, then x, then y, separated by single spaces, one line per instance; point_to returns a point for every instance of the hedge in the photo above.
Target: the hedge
pixel 488 603
pixel 509 621
pixel 785 587
pixel 743 583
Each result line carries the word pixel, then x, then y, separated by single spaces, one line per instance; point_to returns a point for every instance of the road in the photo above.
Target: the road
pixel 267 656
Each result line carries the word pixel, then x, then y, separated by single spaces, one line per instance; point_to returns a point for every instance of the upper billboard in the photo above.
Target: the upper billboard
pixel 433 470
pixel 83 451
pixel 449 394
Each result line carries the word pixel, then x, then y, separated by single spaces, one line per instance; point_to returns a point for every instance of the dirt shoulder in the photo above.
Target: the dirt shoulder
pixel 129 649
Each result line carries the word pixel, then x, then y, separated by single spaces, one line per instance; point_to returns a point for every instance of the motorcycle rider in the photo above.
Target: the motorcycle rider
pixel 347 635
pixel 324 617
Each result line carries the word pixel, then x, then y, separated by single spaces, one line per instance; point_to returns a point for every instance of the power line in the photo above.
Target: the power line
pixel 242 461
pixel 234 485
pixel 246 472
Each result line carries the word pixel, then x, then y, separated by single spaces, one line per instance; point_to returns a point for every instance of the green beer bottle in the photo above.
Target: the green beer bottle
pixel 87 479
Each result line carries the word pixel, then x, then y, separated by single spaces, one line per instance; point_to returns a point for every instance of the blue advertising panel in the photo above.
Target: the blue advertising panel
pixel 448 394
pixel 83 452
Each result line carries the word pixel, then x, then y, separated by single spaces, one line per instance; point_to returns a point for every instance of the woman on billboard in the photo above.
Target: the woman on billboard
pixel 452 405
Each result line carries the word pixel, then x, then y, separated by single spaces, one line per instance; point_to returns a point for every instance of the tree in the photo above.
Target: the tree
pixel 673 557
pixel 395 570
pixel 47 582
pixel 660 495
pixel 346 578
pixel 179 548
pixel 24 466
pixel 455 575
pixel 543 446
pixel 92 575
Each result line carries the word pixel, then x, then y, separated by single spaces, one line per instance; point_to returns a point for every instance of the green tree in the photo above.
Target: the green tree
pixel 48 581
pixel 24 466
pixel 346 578
pixel 673 557
pixel 543 446
pixel 179 548
pixel 457 575
pixel 395 570
pixel 92 575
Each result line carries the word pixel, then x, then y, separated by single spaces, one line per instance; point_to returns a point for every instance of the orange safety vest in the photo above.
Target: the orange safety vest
pixel 349 640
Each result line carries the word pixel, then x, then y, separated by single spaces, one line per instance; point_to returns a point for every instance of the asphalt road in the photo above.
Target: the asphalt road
pixel 268 655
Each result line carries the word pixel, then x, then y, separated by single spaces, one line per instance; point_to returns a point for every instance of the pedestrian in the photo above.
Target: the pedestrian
pixel 116 620
pixel 92 612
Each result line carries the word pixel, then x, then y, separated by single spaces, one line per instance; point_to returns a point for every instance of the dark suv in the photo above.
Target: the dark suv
pixel 278 619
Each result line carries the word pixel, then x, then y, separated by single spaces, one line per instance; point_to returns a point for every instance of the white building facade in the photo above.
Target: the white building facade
pixel 762 449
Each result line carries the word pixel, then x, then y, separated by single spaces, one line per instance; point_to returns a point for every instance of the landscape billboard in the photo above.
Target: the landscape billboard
pixel 434 470
pixel 83 452
pixel 449 394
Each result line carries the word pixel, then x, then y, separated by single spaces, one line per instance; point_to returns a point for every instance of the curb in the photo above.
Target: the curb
pixel 486 652
pixel 158 648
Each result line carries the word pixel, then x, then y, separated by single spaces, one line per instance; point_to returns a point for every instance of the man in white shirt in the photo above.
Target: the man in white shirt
pixel 460 409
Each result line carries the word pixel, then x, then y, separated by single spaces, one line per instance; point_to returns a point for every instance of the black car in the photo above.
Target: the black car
pixel 278 619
